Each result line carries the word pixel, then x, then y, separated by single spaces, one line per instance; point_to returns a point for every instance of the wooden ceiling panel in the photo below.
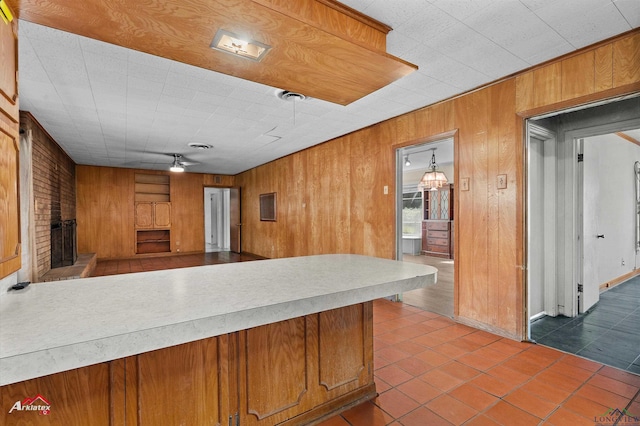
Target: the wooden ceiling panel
pixel 318 49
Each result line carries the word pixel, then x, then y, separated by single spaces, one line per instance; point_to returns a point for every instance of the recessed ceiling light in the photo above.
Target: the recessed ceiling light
pixel 228 42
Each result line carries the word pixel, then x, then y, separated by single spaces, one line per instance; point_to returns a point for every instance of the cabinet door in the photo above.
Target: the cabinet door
pixel 273 369
pixel 9 69
pixel 345 350
pixel 292 371
pixel 144 215
pixel 9 208
pixel 162 215
pixel 84 396
pixel 181 385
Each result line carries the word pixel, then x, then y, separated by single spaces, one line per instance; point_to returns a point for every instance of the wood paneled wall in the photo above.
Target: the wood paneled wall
pixel 331 197
pixel 10 248
pixel 105 210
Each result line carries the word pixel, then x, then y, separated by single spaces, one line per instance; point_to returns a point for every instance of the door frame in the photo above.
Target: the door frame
pixel 398 158
pixel 574 220
pixel 549 273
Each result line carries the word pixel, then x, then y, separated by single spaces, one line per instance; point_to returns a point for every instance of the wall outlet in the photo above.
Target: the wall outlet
pixel 622 262
pixel 386 190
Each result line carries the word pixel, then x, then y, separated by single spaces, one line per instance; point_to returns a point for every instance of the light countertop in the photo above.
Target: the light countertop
pixel 57 326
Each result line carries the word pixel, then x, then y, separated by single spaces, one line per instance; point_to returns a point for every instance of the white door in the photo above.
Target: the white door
pixel 592 239
pixel 215 242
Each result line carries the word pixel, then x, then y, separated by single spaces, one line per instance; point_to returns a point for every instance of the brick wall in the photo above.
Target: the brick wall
pixel 54 187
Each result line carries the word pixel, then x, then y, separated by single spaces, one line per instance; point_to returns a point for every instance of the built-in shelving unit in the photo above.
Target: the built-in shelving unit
pixel 152 213
pixel 152 188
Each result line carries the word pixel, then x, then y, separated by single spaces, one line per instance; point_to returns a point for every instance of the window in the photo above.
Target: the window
pixel 412 213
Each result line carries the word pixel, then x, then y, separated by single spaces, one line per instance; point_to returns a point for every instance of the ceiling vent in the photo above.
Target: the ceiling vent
pixel 200 145
pixel 286 95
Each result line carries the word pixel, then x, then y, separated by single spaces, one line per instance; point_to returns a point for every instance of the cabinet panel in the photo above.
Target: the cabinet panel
pixel 273 372
pixel 8 70
pixel 162 215
pixel 437 226
pixel 9 208
pixel 79 397
pixel 144 215
pixel 180 385
pixel 342 349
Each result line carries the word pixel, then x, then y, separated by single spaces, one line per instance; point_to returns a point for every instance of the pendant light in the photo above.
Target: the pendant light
pixel 433 178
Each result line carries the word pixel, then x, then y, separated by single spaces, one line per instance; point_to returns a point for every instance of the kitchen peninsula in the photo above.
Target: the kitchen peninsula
pixel 267 342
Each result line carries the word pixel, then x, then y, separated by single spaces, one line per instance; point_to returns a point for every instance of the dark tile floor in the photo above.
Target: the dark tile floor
pixel 608 333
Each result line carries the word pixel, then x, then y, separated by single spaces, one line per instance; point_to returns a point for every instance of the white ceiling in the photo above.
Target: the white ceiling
pixel 110 106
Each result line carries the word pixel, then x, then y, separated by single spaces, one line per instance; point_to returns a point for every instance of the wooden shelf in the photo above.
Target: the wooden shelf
pixel 152 187
pixel 153 241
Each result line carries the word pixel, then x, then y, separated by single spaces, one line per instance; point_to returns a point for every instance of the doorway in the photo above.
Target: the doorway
pixel 581 208
pixel 424 229
pixel 216 219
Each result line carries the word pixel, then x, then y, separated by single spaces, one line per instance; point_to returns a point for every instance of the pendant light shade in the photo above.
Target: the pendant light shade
pixel 433 178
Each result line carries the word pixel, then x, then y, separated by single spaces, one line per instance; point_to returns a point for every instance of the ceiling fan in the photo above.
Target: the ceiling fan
pixel 179 165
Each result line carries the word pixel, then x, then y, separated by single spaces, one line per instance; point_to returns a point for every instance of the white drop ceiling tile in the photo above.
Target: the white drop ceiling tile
pixel 147 72
pixel 427 24
pixel 592 20
pixel 45 91
pixel 208 98
pixel 108 102
pixel 200 108
pixel 210 86
pixel 52 37
pixel 394 13
pixel 630 9
pixel 538 47
pixel 143 86
pixel 455 73
pixel 442 90
pixel 98 64
pixel 179 93
pixel 142 58
pixel 80 96
pixel 103 49
pixel 462 9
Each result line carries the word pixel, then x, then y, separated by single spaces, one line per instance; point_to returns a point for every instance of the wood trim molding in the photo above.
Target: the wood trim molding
pixel 627 138
pixel 611 94
pixel 352 13
pixel 614 282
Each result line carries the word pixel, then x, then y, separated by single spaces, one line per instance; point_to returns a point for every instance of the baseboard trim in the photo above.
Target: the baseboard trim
pixel 488 328
pixel 614 282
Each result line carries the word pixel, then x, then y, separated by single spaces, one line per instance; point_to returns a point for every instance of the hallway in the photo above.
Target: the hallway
pixel 609 332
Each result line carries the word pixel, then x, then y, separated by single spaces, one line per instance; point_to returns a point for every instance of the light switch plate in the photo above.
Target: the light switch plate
pixel 464 184
pixel 502 182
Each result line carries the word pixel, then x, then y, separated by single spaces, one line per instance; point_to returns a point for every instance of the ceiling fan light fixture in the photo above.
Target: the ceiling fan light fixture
pixel 226 41
pixel 176 166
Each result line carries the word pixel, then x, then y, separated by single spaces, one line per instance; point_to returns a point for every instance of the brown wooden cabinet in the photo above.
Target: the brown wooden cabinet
pixel 437 227
pixel 9 150
pixel 152 214
pixel 289 372
pixel 288 369
pixel 436 238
